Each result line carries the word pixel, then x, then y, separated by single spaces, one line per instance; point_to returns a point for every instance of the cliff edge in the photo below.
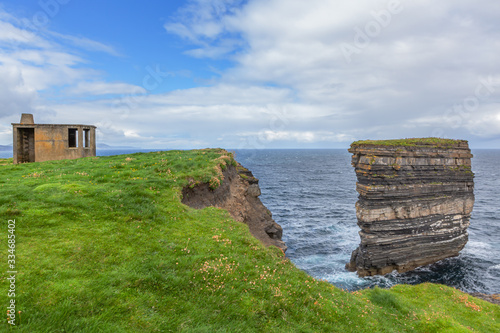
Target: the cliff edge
pixel 239 194
pixel 415 201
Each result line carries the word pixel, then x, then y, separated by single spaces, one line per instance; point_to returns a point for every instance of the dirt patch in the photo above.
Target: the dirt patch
pixel 239 195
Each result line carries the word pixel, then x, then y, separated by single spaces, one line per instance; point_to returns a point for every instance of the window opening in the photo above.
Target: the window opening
pixel 72 137
pixel 86 138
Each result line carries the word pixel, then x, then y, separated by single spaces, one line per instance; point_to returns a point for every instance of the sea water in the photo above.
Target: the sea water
pixel 312 194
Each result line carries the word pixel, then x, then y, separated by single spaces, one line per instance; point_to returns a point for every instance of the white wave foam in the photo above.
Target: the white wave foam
pixel 496 267
pixel 479 249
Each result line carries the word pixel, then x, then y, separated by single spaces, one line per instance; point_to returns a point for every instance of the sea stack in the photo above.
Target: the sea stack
pixel 415 201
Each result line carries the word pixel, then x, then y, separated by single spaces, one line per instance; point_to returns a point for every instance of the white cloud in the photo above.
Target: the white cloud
pixel 32 64
pixel 301 137
pixel 290 84
pixel 421 59
pixel 35 61
pixel 86 44
pixel 6 133
pixel 13 36
pixel 201 22
pixel 15 96
pixel 224 94
pixel 485 122
pixel 104 88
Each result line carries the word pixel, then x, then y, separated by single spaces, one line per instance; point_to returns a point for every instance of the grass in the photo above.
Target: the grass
pixel 412 142
pixel 105 245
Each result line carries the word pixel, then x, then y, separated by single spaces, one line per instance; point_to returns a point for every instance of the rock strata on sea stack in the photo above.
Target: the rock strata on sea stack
pixel 415 201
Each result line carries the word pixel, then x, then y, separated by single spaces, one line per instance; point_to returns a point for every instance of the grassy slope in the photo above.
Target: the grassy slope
pixel 104 245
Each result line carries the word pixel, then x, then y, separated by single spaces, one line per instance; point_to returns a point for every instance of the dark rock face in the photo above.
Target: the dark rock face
pixel 238 194
pixel 493 298
pixel 414 204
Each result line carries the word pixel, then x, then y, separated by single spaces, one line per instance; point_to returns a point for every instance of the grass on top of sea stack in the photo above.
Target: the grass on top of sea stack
pixel 412 142
pixel 104 244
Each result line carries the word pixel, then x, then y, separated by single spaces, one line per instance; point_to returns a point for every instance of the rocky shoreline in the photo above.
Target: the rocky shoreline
pixel 238 193
pixel 492 298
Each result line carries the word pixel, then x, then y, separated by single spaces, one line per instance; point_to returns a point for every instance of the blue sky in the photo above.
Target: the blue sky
pixel 254 73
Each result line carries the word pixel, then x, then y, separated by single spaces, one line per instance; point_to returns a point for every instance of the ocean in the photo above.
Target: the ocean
pixel 311 194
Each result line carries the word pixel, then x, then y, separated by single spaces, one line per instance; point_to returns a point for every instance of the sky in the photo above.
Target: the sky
pixel 253 74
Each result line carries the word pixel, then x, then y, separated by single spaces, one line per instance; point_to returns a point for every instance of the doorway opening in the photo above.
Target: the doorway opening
pixel 25 145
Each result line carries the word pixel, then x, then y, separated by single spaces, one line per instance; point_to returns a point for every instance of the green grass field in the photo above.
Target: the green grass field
pixel 411 142
pixel 105 245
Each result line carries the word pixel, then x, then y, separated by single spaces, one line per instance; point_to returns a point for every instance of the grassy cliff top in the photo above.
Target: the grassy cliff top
pixel 412 142
pixel 104 244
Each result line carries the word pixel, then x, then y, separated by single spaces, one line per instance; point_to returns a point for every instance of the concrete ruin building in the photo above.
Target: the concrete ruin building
pixel 45 142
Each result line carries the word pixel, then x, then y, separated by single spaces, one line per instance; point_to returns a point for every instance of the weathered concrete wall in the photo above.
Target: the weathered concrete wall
pixel 414 204
pixel 46 142
pixel 51 143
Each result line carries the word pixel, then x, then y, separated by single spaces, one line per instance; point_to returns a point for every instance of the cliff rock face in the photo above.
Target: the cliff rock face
pixel 415 201
pixel 239 194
